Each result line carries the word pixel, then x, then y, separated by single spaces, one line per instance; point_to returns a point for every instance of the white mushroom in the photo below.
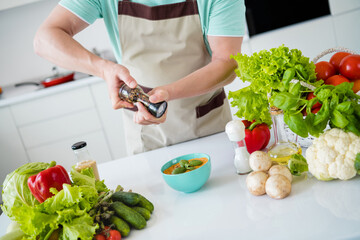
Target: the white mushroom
pixel 278 186
pixel 281 169
pixel 260 161
pixel 255 182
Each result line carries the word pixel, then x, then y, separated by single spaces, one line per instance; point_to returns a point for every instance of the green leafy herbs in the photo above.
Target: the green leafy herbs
pixel 340 109
pixel 270 73
pixel 297 164
pixel 67 211
pixel 185 165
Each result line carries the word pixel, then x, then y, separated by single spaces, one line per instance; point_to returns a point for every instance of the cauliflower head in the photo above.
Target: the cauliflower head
pixel 333 154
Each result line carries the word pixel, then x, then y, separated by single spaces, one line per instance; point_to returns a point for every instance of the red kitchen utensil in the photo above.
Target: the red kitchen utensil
pixel 56 79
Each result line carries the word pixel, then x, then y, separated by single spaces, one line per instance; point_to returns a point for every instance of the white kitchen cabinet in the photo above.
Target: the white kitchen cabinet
pixel 111 119
pixel 6 4
pixel 49 124
pixel 61 152
pixel 13 153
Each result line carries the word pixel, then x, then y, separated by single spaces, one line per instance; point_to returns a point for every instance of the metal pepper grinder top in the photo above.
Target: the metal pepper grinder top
pixel 133 95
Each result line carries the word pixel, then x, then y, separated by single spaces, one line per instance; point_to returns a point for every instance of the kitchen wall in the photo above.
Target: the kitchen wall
pixel 18 25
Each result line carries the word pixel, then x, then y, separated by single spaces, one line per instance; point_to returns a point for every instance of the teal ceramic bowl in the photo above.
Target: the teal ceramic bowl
pixel 190 181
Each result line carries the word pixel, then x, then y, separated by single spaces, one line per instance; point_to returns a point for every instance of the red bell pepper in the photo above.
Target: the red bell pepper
pixel 257 136
pixel 53 177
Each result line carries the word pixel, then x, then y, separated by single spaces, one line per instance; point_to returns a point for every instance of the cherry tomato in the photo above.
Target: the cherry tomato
pixel 114 235
pixel 315 110
pixel 336 59
pixel 350 67
pixel 311 96
pixel 99 237
pixel 356 86
pixel 336 80
pixel 324 70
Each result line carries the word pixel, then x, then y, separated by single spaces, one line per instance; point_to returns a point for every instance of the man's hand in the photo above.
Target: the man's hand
pixel 115 75
pixel 143 116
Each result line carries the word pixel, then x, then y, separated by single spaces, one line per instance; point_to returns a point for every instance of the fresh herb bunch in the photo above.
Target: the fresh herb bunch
pixel 340 109
pixel 270 72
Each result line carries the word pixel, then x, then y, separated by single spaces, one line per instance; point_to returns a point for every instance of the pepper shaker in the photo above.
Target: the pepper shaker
pixel 235 131
pixel 133 95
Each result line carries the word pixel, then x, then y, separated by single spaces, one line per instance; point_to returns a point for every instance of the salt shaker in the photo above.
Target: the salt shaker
pixel 133 95
pixel 235 131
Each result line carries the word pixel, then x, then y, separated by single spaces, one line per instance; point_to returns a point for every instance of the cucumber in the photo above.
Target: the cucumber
pixel 129 198
pixel 128 214
pixel 120 225
pixel 143 202
pixel 143 211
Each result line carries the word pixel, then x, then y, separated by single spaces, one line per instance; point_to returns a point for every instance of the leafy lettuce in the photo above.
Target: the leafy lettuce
pixel 66 212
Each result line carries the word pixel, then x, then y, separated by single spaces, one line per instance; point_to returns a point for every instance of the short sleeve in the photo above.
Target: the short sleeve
pixel 87 10
pixel 227 18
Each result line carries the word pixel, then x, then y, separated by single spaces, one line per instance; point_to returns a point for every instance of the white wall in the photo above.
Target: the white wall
pixel 18 25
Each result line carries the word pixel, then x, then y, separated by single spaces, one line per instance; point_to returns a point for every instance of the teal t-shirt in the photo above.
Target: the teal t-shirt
pixel 218 17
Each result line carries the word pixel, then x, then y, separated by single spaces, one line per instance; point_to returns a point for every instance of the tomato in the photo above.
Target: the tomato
pixel 350 67
pixel 114 235
pixel 336 59
pixel 311 96
pixel 324 70
pixel 315 110
pixel 336 80
pixel 99 237
pixel 356 86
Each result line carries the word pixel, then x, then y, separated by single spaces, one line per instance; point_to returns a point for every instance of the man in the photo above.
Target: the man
pixel 180 50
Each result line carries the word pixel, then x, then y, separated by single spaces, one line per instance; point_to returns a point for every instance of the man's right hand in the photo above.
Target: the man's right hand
pixel 115 75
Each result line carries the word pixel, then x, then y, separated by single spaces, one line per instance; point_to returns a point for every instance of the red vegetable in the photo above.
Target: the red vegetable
pixel 336 59
pixel 324 70
pixel 99 237
pixel 350 67
pixel 336 80
pixel 53 177
pixel 311 96
pixel 257 136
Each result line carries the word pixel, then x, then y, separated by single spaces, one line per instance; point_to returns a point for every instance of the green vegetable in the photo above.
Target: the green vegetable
pixel 178 170
pixel 13 235
pixel 270 73
pixel 129 198
pixel 251 105
pixel 194 163
pixel 143 211
pixel 67 210
pixel 183 163
pixel 120 225
pixel 145 203
pixel 16 193
pixel 297 164
pixel 357 163
pixel 132 217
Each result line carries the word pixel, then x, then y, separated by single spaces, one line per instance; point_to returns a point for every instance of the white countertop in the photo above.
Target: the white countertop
pixel 12 95
pixel 224 209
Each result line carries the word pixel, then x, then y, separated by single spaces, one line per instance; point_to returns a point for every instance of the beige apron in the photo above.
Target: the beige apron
pixel 160 45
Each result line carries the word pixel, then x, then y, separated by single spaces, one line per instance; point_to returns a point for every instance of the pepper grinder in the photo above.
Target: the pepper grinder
pixel 235 131
pixel 133 95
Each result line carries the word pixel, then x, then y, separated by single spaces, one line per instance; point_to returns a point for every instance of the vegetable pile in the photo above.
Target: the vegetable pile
pixel 273 180
pixel 45 204
pixel 289 81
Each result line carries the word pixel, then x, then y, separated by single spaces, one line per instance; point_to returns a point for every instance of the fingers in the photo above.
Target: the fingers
pixel 143 117
pixel 158 95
